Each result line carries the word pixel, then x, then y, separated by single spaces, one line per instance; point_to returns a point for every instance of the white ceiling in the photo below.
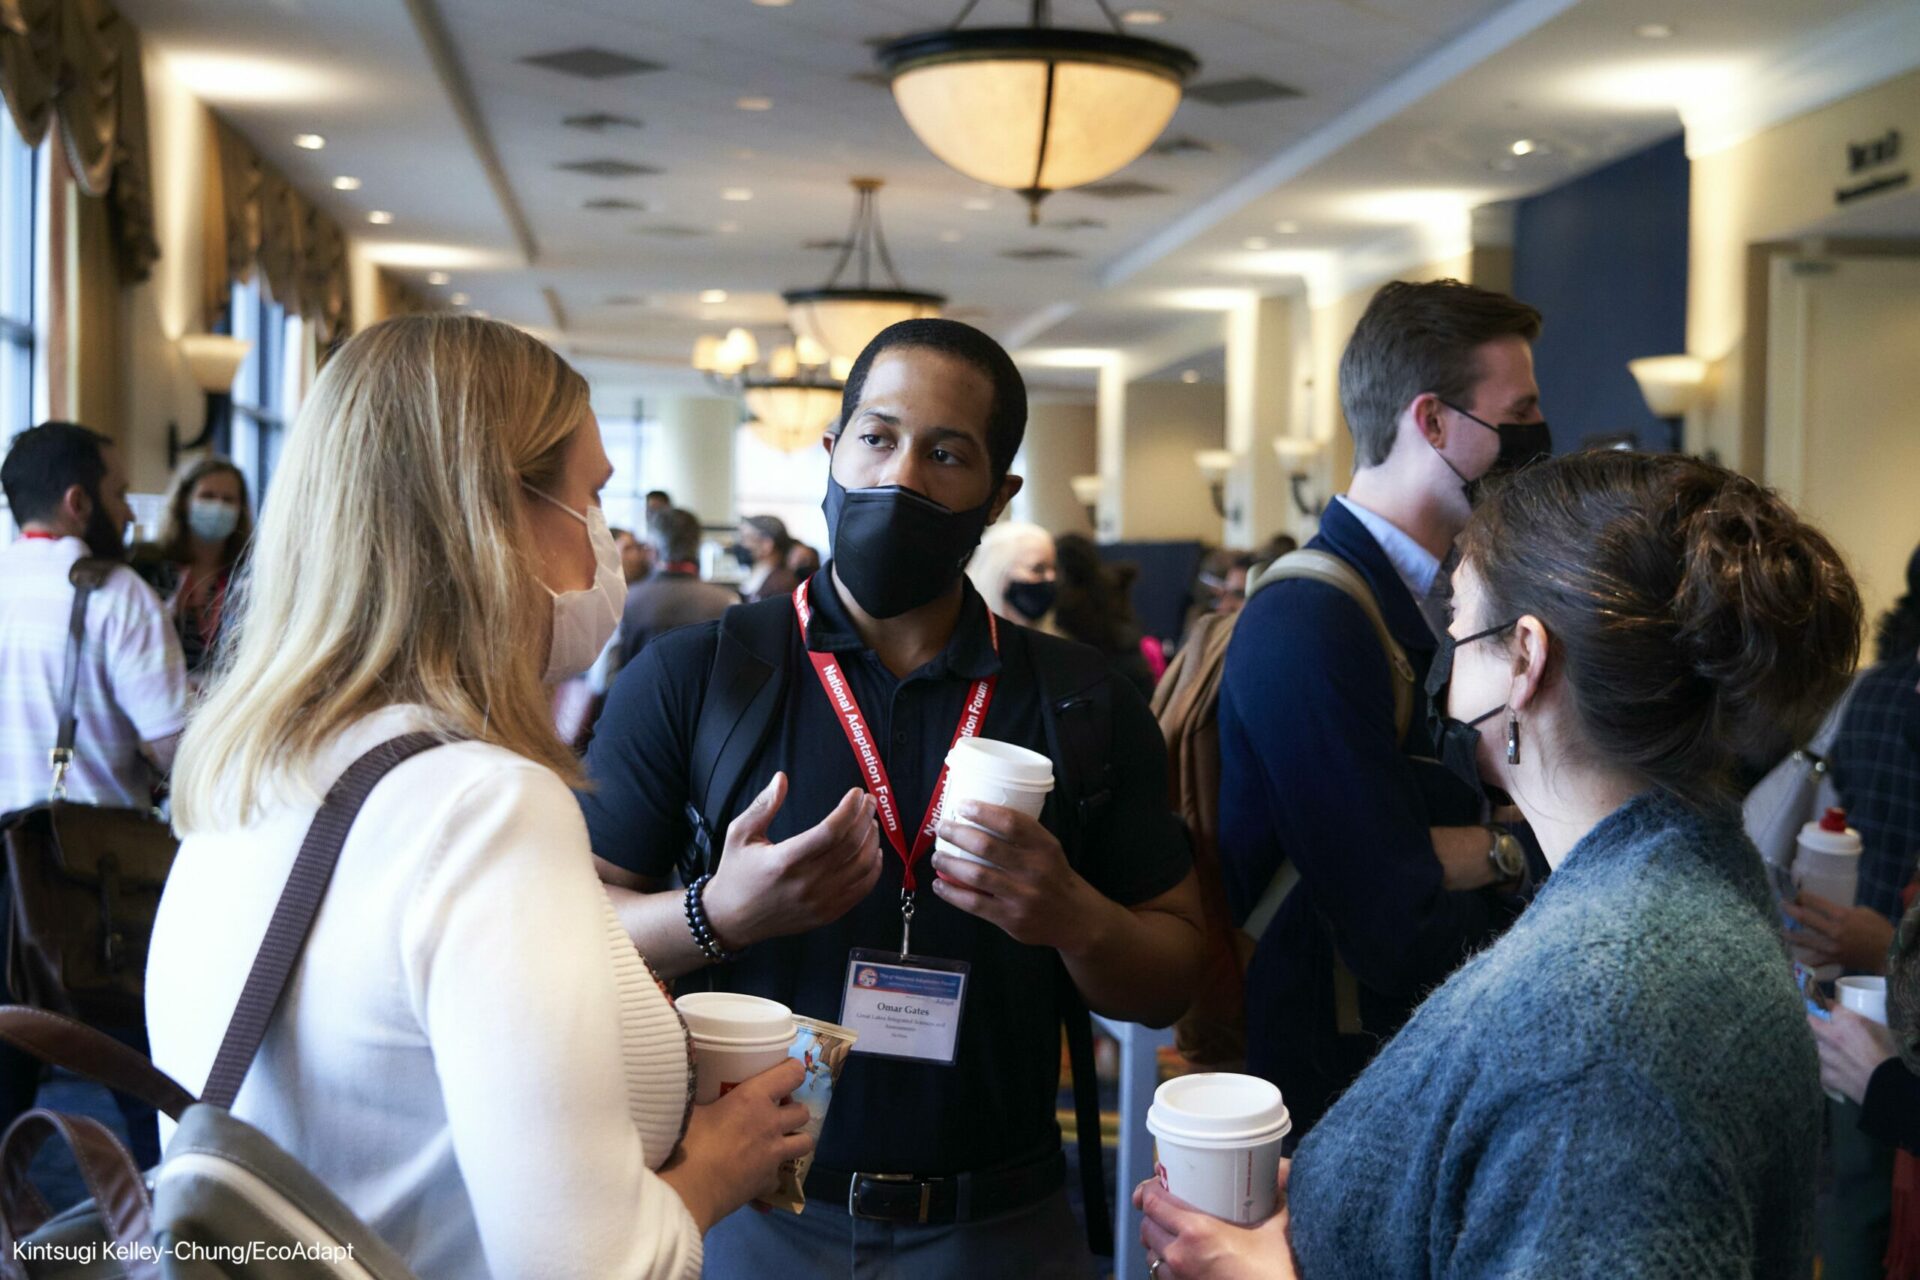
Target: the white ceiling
pixel 1406 106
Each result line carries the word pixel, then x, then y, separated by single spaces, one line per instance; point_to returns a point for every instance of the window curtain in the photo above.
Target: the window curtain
pixel 73 67
pixel 256 220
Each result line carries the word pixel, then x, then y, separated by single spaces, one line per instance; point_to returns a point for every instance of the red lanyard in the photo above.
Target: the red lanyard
pixel 34 535
pixel 840 694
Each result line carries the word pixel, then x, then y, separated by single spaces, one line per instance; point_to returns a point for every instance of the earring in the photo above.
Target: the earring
pixel 1513 738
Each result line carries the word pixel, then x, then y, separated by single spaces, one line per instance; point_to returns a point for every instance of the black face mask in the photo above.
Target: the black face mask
pixel 105 541
pixel 1456 742
pixel 1520 444
pixel 1032 600
pixel 896 549
pixel 743 555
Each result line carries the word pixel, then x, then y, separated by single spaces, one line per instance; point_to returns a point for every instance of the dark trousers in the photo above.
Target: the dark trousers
pixel 1853 1232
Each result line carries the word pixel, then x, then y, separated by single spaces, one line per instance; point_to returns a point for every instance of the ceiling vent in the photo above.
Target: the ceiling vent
pixel 606 168
pixel 1043 253
pixel 1238 93
pixel 828 245
pixel 1183 145
pixel 614 204
pixel 588 63
pixel 1124 189
pixel 600 121
pixel 671 231
pixel 1075 224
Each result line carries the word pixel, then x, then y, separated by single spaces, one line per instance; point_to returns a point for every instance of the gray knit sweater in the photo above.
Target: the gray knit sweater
pixel 1622 1086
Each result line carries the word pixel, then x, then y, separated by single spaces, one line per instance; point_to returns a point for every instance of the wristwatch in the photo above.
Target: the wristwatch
pixel 1505 855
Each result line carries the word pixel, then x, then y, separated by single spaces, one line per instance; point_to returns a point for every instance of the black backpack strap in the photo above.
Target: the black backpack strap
pixel 87 576
pixel 294 914
pixel 1077 697
pixel 737 714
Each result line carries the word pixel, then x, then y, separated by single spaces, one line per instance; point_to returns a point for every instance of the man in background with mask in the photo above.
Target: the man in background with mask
pixel 761 547
pixel 67 491
pixel 1401 872
pixel 941 1155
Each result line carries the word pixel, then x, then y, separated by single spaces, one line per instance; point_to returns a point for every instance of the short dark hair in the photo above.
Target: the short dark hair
pixel 1416 338
pixel 45 461
pixel 661 494
pixel 1007 414
pixel 1702 627
pixel 774 529
pixel 675 535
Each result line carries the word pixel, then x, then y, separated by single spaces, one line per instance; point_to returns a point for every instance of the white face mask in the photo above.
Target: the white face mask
pixel 583 621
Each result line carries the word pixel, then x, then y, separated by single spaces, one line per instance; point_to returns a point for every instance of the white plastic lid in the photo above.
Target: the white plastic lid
pixel 1002 761
pixel 1840 844
pixel 1218 1108
pixel 728 1017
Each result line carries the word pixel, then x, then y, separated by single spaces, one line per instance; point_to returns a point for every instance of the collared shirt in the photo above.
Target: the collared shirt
pixel 1876 770
pixel 132 685
pixel 669 598
pixel 995 1106
pixel 1416 566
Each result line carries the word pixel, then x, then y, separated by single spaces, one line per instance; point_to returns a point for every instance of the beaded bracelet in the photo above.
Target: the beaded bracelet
pixel 703 935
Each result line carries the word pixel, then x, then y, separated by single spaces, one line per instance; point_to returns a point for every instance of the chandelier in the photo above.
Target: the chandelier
pixel 790 400
pixel 843 319
pixel 1038 108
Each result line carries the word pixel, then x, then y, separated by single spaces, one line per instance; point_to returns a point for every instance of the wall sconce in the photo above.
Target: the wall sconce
pixel 1671 385
pixel 1293 453
pixel 213 359
pixel 1215 466
pixel 1086 492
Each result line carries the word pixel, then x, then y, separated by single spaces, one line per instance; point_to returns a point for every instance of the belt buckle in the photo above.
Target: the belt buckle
pixel 853 1195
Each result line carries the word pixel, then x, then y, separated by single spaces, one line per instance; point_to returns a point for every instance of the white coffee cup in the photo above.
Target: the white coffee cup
pixel 1217 1143
pixel 735 1038
pixel 1866 996
pixel 993 772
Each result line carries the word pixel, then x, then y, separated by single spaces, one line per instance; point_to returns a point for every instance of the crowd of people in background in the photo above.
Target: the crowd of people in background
pixel 1437 818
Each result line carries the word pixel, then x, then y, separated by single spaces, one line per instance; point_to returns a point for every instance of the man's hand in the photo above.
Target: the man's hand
pixel 1030 891
pixel 1851 1050
pixel 1187 1244
pixel 765 890
pixel 1855 938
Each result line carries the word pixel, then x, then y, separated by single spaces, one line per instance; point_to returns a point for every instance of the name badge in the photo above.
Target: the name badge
pixel 904 1008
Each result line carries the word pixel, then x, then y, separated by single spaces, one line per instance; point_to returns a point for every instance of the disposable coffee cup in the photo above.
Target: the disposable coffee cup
pixel 1217 1143
pixel 735 1038
pixel 991 772
pixel 1866 996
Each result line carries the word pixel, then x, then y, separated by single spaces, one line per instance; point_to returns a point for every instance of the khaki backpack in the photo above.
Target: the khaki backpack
pixel 1213 1033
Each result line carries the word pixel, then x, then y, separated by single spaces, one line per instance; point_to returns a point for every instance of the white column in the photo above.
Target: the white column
pixel 690 454
pixel 1061 443
pixel 1263 404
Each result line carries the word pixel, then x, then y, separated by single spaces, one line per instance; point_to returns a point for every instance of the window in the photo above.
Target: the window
pixel 267 388
pixel 20 255
pixel 624 500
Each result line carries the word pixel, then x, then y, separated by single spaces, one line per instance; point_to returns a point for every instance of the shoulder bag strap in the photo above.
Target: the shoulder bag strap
pixel 299 904
pixel 1325 567
pixel 86 577
pixel 744 691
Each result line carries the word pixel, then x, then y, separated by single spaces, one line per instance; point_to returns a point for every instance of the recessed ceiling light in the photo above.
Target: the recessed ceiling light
pixel 737 194
pixel 380 218
pixel 1287 227
pixel 1523 147
pixel 754 104
pixel 979 204
pixel 344 183
pixel 438 277
pixel 1143 17
pixel 1189 376
pixel 728 228
pixel 951 237
pixel 459 299
pixel 309 141
pixel 713 295
pixel 1255 243
pixel 1653 31
pixel 773 4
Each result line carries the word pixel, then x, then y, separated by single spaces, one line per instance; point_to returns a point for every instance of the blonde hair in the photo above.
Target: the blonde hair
pixel 392 564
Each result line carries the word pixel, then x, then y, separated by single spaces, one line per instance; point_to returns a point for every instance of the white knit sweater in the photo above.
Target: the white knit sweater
pixel 471 1054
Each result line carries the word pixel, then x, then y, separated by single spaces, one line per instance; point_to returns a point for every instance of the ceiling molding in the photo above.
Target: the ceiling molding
pixel 453 80
pixel 1854 54
pixel 554 309
pixel 1442 66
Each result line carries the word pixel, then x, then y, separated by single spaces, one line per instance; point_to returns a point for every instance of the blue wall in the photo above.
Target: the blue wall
pixel 1604 257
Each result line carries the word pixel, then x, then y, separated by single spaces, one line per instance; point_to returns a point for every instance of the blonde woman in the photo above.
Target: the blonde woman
pixel 471 1053
pixel 1013 570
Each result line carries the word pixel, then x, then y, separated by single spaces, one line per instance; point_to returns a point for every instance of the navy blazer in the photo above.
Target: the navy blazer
pixel 1310 773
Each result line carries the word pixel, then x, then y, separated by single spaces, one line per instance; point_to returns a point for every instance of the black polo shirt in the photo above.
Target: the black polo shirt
pixel 995 1105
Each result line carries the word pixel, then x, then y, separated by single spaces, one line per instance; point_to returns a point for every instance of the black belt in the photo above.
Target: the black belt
pixel 959 1197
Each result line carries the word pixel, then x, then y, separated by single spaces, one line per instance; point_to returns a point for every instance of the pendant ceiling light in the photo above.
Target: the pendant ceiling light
pixel 790 400
pixel 1037 108
pixel 843 319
